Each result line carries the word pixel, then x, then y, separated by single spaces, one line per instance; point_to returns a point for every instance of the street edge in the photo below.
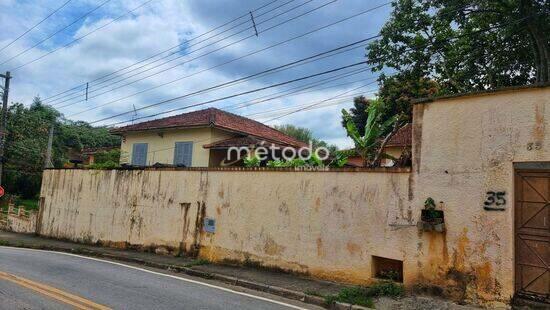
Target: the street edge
pixel 274 290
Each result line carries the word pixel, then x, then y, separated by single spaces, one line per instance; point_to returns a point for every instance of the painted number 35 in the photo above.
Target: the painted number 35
pixel 495 200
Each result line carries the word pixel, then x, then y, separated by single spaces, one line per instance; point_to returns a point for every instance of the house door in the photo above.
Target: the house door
pixel 532 234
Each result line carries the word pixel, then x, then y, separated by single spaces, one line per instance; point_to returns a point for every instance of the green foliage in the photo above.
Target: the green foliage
pixel 340 159
pixel 29 204
pixel 305 135
pixel 363 295
pixel 386 288
pixel 368 145
pixel 27 138
pixel 429 203
pixel 441 41
pixel 107 156
pixel 252 161
pixel 105 165
pixel 399 90
pixel 314 161
pixel 353 295
pixel 358 114
pixel 276 163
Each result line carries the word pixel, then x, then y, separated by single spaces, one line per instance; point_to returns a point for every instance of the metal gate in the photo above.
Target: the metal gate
pixel 532 234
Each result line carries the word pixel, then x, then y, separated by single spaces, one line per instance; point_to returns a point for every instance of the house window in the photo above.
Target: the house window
pixel 139 154
pixel 183 154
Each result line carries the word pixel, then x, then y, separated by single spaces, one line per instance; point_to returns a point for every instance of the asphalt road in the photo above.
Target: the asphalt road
pixel 48 280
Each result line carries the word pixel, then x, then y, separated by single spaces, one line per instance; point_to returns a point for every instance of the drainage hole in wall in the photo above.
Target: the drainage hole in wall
pixel 387 268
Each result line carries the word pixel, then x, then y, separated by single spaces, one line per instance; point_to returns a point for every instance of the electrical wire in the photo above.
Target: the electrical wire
pixel 230 61
pixel 239 94
pixel 302 61
pixel 185 43
pixel 200 56
pixel 83 36
pixel 56 32
pixel 226 97
pixel 36 25
pixel 161 52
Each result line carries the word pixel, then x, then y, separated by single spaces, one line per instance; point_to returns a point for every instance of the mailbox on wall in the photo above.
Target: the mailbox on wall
pixel 209 225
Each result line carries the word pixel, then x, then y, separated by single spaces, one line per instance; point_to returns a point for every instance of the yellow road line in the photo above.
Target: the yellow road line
pixel 62 296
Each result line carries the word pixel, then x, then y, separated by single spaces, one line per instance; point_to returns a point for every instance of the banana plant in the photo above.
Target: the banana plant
pixel 369 146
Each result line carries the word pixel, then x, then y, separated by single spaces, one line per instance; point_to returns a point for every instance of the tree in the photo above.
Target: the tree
pixel 377 132
pixel 27 139
pixel 305 135
pixel 358 113
pixel 399 90
pixel 443 41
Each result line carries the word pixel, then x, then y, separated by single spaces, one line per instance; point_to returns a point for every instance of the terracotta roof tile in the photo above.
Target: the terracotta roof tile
pixel 215 118
pixel 403 137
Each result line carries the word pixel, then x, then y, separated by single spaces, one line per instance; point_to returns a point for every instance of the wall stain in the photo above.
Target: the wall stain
pixel 320 249
pixel 353 248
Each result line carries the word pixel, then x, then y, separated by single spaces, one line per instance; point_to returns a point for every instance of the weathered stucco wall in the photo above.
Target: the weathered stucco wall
pixel 330 224
pixel 324 223
pixel 465 147
pixel 25 224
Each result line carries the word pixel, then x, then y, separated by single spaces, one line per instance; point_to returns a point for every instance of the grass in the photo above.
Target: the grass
pixel 363 296
pixel 197 262
pixel 29 204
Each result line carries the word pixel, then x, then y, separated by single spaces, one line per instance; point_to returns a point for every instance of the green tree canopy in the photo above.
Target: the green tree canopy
pixel 27 138
pixel 441 40
pixel 305 135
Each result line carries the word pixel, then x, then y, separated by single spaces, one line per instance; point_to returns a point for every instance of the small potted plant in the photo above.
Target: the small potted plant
pixel 432 219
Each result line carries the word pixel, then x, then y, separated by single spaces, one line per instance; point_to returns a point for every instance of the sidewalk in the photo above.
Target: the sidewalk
pixel 278 283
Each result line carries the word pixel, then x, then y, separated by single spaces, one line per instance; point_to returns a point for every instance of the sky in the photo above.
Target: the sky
pixel 112 59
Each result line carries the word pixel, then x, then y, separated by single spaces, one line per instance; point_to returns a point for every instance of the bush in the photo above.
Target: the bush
pixel 363 295
pixel 105 166
pixel 252 161
pixel 107 156
pixel 352 295
pixel 386 288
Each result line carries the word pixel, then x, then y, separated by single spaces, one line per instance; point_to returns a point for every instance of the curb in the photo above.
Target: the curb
pixel 275 290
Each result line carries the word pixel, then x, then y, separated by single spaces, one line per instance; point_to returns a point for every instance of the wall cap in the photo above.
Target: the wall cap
pixel 481 93
pixel 256 169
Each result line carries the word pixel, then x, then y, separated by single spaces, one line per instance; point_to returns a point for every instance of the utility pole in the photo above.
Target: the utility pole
pixel 4 120
pixel 48 162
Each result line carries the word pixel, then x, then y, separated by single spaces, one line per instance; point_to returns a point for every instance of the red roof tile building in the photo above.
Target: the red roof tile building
pixel 195 139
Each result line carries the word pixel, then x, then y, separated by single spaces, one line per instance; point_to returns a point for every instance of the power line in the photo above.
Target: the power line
pixel 327 103
pixel 162 64
pixel 200 56
pixel 83 36
pixel 259 89
pixel 306 60
pixel 227 97
pixel 58 31
pixel 299 90
pixel 123 78
pixel 36 25
pixel 169 49
pixel 233 60
pixel 320 102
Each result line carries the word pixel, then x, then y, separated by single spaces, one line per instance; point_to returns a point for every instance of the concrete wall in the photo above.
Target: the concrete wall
pixel 324 223
pixel 330 224
pixel 161 144
pixel 20 223
pixel 464 147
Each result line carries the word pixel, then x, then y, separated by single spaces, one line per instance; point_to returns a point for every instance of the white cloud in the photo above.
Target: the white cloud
pixel 165 23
